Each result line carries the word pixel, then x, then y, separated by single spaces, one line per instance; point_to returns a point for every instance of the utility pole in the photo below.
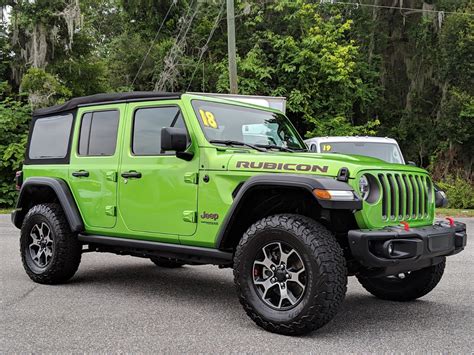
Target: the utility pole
pixel 231 47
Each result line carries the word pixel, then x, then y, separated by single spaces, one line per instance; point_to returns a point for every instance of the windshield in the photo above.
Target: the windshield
pixel 385 151
pixel 226 122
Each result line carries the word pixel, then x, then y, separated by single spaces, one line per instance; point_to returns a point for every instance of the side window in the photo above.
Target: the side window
pixel 50 137
pixel 147 125
pixel 98 135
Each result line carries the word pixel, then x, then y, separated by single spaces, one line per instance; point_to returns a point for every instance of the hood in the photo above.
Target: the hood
pixel 311 163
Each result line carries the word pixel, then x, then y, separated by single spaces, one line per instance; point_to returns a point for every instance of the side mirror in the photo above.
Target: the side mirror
pixel 175 139
pixel 412 163
pixel 441 200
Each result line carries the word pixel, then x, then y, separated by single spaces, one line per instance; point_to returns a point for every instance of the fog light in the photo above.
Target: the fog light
pixel 390 248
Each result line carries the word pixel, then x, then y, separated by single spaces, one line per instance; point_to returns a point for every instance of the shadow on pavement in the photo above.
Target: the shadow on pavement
pixel 359 313
pixel 188 282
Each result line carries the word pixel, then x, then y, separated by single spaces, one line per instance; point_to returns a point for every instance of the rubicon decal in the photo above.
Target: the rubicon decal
pixel 281 166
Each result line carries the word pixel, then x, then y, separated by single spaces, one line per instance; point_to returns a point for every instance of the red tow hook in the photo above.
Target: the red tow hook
pixel 451 221
pixel 406 226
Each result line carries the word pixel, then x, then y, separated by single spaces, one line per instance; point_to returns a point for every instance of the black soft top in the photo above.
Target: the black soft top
pixel 104 98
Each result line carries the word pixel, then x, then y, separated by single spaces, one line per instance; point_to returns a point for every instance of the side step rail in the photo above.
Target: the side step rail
pixel 144 248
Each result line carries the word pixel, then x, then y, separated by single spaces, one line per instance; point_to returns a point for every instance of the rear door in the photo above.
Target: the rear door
pixel 94 163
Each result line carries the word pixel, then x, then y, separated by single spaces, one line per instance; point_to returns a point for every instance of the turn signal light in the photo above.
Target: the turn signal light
pixel 334 195
pixel 322 194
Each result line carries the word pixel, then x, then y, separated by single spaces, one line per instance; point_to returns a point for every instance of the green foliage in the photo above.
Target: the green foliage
pixel 339 126
pixel 456 54
pixel 14 118
pixel 83 77
pixel 313 62
pixel 43 89
pixel 428 72
pixel 460 192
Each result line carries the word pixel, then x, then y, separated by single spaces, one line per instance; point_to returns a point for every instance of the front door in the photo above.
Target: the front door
pixel 157 190
pixel 94 164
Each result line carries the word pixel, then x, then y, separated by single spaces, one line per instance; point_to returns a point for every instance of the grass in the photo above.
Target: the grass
pixel 454 212
pixel 6 210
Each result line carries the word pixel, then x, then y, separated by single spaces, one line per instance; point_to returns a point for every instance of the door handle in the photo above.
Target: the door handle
pixel 80 173
pixel 131 174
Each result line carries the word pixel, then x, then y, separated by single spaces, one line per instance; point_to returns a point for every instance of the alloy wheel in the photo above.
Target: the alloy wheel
pixel 41 245
pixel 279 275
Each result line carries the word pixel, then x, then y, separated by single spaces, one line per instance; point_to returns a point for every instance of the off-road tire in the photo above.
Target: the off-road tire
pixel 326 279
pixel 66 253
pixel 169 263
pixel 416 284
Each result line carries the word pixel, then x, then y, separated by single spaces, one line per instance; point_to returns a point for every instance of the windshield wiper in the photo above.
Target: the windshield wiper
pixel 273 146
pixel 230 142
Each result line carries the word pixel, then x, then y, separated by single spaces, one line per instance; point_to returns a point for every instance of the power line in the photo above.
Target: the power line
pixel 357 4
pixel 205 47
pixel 169 72
pixel 154 40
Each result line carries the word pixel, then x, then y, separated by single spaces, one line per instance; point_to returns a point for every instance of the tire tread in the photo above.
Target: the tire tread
pixel 425 281
pixel 68 250
pixel 329 256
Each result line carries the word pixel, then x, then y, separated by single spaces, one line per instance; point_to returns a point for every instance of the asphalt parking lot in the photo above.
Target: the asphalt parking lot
pixel 124 304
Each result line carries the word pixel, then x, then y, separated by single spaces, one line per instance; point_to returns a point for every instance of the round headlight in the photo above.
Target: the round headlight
pixel 364 187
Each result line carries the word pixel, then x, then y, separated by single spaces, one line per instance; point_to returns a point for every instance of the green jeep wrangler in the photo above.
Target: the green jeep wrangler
pixel 191 179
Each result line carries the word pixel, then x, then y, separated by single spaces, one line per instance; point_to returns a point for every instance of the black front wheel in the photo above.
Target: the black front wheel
pixel 290 274
pixel 405 286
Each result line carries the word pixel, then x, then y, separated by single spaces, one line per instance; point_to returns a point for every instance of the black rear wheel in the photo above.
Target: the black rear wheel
pixel 290 274
pixel 405 286
pixel 50 252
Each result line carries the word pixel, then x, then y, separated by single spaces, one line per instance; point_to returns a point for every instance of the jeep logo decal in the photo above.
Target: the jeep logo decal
pixel 213 216
pixel 281 166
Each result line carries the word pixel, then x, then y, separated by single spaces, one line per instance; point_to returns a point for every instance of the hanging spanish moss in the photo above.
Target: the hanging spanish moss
pixel 36 39
pixel 73 18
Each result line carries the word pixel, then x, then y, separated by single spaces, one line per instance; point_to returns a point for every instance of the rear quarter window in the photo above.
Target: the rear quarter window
pixel 50 137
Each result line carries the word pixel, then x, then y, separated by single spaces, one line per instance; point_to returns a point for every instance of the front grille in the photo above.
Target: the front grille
pixel 404 196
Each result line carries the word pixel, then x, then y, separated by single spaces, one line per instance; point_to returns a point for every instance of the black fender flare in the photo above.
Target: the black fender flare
pixel 63 193
pixel 308 183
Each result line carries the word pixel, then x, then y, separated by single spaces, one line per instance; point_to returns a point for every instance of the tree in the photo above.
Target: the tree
pixel 14 118
pixel 43 89
pixel 345 70
pixel 305 53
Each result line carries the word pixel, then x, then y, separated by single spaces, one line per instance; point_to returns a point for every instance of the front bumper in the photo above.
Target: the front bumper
pixel 394 250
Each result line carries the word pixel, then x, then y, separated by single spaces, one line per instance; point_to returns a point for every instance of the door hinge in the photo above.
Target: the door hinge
pixel 111 176
pixel 111 211
pixel 191 178
pixel 190 216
